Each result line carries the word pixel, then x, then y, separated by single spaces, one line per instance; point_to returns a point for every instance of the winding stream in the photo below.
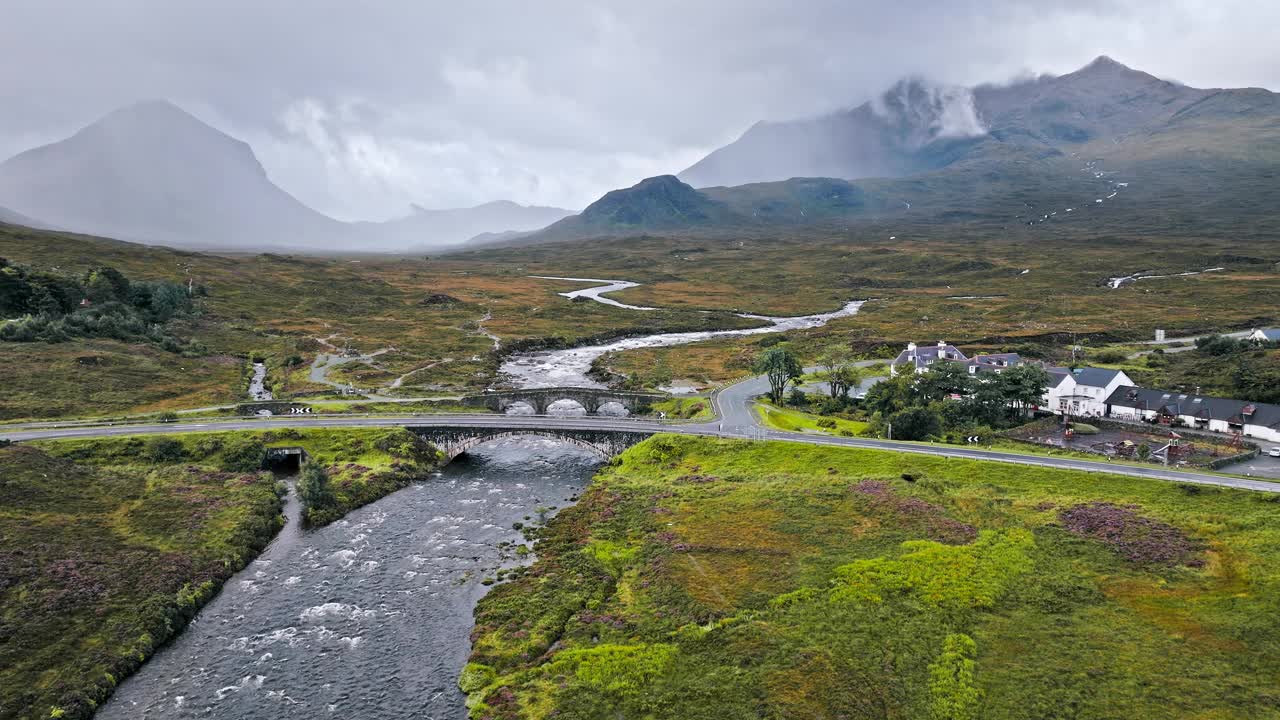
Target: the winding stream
pixel 368 617
pixel 568 368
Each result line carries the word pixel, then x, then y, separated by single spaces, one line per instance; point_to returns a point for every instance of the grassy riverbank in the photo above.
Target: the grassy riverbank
pixel 718 579
pixel 109 546
pixel 363 464
pixel 100 565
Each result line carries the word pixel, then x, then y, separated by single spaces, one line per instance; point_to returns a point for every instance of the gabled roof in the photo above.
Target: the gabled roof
pixel 1239 412
pixel 1094 377
pixel 923 355
pixel 1058 375
pixel 1271 334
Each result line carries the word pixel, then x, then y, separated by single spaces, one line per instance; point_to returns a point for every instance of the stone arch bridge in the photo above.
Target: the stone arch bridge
pixel 541 398
pixel 453 441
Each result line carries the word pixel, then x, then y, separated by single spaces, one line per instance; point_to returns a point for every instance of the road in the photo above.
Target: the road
pixel 736 420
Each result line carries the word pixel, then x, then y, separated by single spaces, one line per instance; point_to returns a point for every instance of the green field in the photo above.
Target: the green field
pixel 721 579
pixel 796 421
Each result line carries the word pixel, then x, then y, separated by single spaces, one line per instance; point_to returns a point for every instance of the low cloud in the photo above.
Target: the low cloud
pixel 360 110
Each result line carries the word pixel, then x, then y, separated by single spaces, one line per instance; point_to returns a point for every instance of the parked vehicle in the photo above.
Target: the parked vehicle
pixel 1274 452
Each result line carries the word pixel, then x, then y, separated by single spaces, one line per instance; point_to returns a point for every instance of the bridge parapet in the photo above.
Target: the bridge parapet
pixel 541 398
pixel 453 441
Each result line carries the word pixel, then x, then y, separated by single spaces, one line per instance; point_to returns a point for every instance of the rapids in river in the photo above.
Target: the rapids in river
pixel 369 617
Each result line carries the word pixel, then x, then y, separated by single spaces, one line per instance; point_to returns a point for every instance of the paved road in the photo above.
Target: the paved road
pixel 737 420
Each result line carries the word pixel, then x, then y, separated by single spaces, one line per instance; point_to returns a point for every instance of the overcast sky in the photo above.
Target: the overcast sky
pixel 361 108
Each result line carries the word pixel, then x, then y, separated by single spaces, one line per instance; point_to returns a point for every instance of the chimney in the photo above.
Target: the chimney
pixel 911 347
pixel 942 349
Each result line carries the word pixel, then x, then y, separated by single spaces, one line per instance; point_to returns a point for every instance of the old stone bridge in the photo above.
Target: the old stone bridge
pixel 453 441
pixel 591 399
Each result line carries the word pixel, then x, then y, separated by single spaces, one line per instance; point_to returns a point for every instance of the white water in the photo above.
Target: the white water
pixel 568 368
pixel 596 292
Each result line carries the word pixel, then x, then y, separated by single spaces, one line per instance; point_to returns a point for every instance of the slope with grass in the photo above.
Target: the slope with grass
pixel 712 579
pixel 101 563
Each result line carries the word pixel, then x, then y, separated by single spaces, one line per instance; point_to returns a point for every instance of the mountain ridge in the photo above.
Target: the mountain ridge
pixel 151 172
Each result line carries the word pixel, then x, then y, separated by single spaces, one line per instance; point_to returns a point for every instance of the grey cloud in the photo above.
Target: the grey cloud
pixel 362 108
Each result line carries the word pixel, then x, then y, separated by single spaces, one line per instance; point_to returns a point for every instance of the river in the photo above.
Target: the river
pixel 569 367
pixel 366 618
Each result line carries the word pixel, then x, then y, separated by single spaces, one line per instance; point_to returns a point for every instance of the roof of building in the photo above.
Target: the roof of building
pixel 1239 412
pixel 923 355
pixel 1094 377
pixel 1271 334
pixel 1057 375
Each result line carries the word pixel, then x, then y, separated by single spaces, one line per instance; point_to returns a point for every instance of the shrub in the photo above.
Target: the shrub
pixel 314 489
pixel 164 450
pixel 1110 356
pixel 244 456
pixel 915 423
pixel 168 416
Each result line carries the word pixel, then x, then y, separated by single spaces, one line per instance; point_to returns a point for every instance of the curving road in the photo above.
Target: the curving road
pixel 733 405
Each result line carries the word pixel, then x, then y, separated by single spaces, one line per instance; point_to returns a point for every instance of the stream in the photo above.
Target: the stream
pixel 368 617
pixel 569 367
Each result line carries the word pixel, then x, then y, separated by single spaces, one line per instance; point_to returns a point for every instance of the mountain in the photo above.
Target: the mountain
pixel 1186 159
pixel 152 172
pixel 656 203
pixel 424 229
pixel 915 128
pixel 14 218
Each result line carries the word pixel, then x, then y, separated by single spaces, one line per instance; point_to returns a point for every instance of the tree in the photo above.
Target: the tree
pixel 107 283
pixel 944 379
pixel 1023 386
pixel 781 366
pixel 915 423
pixel 839 372
pixel 313 488
pixel 892 394
pixel 1256 381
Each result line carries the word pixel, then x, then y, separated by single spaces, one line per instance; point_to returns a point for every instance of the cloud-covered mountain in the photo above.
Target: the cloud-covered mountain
pixel 1184 157
pixel 153 173
pixel 914 127
pixel 17 218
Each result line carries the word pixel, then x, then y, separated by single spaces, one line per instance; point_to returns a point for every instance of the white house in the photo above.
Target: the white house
pixel 1083 391
pixel 1265 335
pixel 1250 419
pixel 920 357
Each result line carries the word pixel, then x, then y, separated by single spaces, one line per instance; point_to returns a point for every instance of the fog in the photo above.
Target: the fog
pixel 359 110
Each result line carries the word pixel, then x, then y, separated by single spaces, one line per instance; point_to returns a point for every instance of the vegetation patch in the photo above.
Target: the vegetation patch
pixel 724 579
pixel 102 562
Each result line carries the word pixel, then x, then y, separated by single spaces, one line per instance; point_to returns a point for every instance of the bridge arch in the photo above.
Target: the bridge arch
pixel 591 399
pixel 454 441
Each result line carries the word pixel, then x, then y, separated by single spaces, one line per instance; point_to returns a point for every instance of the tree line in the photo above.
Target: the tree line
pixel 48 306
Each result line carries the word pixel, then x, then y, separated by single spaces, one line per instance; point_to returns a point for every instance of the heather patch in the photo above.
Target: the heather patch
pixel 1137 538
pixel 919 515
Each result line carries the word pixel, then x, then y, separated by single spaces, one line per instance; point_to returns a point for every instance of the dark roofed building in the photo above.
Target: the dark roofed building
pixel 918 358
pixel 1252 419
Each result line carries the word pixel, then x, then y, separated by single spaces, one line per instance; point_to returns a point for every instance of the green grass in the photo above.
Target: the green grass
pixel 684 408
pixel 725 579
pixel 364 464
pixel 101 564
pixel 798 421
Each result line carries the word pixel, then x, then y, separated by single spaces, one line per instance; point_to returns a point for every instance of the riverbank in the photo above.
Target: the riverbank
pixel 363 464
pixel 105 562
pixel 725 579
pixel 114 544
